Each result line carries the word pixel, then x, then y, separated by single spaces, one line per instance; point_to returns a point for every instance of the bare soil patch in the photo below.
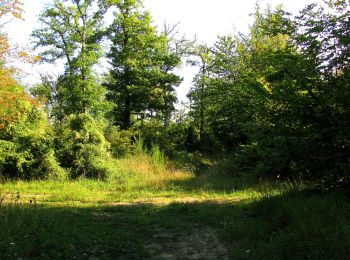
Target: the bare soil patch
pixel 201 243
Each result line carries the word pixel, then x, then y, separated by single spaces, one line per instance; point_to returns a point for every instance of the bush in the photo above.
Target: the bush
pixel 82 147
pixel 120 141
pixel 276 157
pixel 26 139
pixel 172 139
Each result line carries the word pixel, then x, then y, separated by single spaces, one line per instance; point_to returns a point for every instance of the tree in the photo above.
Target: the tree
pixel 12 8
pixel 73 30
pixel 324 36
pixel 12 95
pixel 201 56
pixel 233 95
pixel 25 135
pixel 141 81
pixel 279 96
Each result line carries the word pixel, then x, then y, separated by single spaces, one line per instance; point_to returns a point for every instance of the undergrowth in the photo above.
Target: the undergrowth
pixel 116 218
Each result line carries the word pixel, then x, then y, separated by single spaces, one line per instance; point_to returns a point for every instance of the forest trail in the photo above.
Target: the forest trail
pixel 201 243
pixel 51 219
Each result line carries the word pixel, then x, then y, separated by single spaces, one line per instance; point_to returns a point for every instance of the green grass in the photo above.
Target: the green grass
pixel 147 205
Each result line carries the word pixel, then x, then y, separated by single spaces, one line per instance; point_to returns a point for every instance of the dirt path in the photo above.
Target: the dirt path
pixel 201 243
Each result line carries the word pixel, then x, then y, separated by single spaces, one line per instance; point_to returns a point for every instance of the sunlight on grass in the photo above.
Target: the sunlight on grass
pixel 145 197
pixel 136 178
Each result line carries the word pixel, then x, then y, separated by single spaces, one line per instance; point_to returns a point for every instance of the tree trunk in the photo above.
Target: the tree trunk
pixel 126 120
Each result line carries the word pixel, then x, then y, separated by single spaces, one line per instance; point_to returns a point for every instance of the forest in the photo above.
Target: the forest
pixel 107 164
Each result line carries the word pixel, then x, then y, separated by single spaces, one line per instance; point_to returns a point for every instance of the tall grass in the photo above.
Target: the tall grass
pixel 158 158
pixel 145 169
pixel 138 146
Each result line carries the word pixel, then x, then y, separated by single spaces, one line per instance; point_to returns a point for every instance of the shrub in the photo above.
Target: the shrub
pixel 26 138
pixel 82 147
pixel 120 141
pixel 171 139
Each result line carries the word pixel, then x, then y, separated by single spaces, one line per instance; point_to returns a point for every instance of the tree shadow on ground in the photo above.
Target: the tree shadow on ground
pixel 289 226
pixel 221 175
pixel 220 182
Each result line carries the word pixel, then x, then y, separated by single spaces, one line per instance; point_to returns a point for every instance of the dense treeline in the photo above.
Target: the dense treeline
pixel 279 96
pixel 275 99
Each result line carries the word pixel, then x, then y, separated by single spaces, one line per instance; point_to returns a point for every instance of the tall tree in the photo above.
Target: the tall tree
pixel 73 30
pixel 232 91
pixel 281 93
pixel 201 58
pixel 8 9
pixel 141 81
pixel 12 95
pixel 25 134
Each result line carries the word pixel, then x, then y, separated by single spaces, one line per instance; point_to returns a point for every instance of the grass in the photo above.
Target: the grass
pixel 148 211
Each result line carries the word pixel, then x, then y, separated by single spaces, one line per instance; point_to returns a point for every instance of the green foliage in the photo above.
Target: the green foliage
pixel 305 121
pixel 139 146
pixel 276 99
pixel 120 141
pixel 158 157
pixel 73 31
pixel 172 139
pixel 74 96
pixel 141 81
pixel 198 93
pixel 82 147
pixel 26 146
pixel 279 96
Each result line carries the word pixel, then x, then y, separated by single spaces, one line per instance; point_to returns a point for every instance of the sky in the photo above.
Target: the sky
pixel 205 19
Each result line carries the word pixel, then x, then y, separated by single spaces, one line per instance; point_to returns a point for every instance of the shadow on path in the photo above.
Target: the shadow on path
pixel 283 227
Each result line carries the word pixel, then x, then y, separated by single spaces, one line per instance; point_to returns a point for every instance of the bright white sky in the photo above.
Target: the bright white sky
pixel 204 18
